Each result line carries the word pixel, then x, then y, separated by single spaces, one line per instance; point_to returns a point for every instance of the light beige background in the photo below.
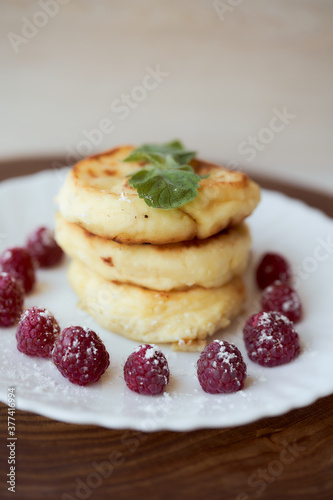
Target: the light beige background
pixel 229 65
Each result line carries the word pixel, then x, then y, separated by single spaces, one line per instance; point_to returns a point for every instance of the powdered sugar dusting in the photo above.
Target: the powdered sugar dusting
pixel 123 197
pixel 45 313
pixel 48 237
pixel 264 319
pixel 150 353
pixel 225 356
pixel 281 297
pixel 40 315
pixel 7 255
pixel 292 304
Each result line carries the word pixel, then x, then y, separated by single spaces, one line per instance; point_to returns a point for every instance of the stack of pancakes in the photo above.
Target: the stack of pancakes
pixel 150 274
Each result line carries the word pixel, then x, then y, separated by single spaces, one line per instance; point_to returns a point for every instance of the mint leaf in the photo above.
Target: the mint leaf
pixel 167 180
pixel 165 188
pixel 173 148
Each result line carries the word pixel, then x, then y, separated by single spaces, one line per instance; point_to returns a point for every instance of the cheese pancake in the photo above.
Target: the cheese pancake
pixel 209 263
pixel 151 316
pixel 96 195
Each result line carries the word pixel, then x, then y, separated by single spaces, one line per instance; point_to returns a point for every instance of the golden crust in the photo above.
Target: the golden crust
pixel 150 316
pixel 97 196
pixel 209 263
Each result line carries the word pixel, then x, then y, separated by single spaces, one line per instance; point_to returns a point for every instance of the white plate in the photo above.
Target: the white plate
pixel 281 224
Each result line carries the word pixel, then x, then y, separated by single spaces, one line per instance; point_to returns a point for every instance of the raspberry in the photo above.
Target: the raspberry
pixel 282 298
pixel 43 247
pixel 146 370
pixel 271 268
pixel 19 263
pixel 221 368
pixel 11 300
pixel 37 332
pixel 270 339
pixel 80 355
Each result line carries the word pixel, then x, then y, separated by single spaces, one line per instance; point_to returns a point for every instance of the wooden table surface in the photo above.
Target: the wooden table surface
pixel 286 457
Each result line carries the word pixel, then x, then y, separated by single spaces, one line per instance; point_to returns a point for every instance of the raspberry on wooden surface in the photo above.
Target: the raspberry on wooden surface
pixel 19 263
pixel 282 298
pixel 146 370
pixel 11 300
pixel 37 332
pixel 221 368
pixel 270 339
pixel 80 355
pixel 272 267
pixel 43 247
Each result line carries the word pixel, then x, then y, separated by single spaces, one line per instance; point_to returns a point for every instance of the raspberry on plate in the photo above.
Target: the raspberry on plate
pixel 80 355
pixel 272 267
pixel 282 298
pixel 43 247
pixel 37 332
pixel 270 339
pixel 221 368
pixel 146 370
pixel 19 263
pixel 11 300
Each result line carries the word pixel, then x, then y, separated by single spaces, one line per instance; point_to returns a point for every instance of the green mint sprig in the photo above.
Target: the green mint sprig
pixel 173 148
pixel 167 180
